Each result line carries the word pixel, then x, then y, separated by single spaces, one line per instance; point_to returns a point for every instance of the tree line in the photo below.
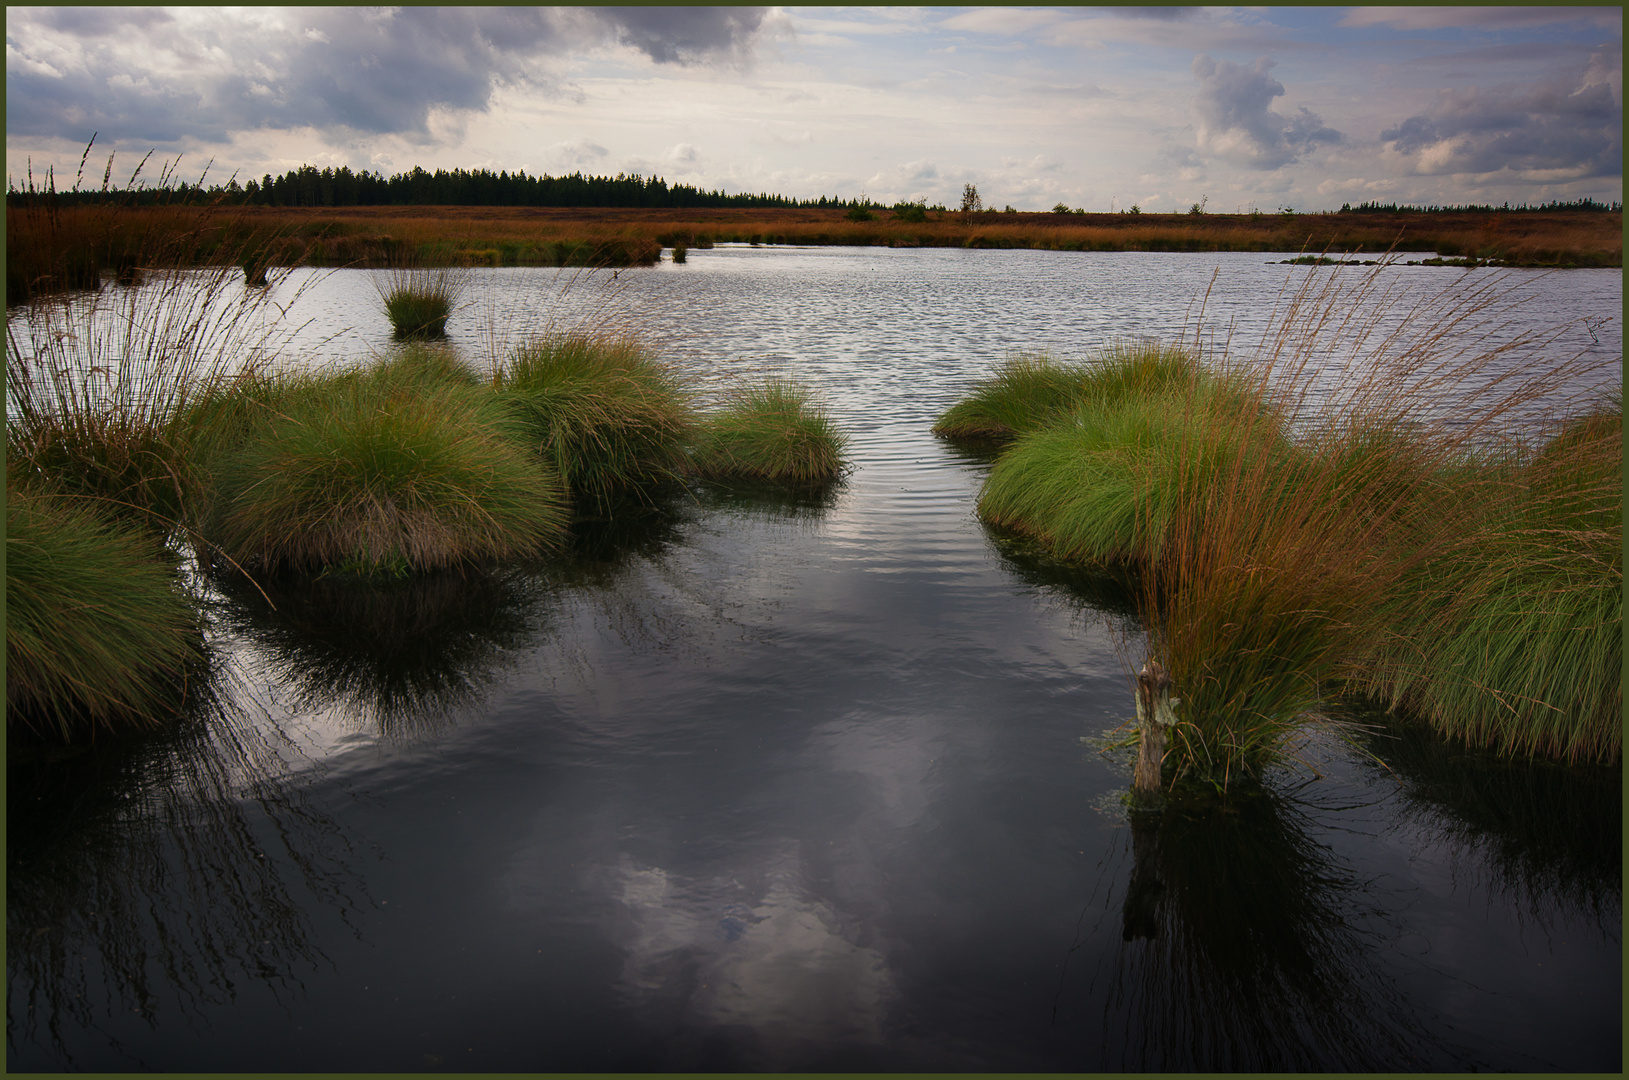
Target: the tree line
pixel 309 186
pixel 1395 208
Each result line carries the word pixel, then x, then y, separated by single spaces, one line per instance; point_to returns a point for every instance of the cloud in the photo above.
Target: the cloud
pixel 1358 185
pixel 578 153
pixel 1178 28
pixel 1570 125
pixel 1001 20
pixel 1235 120
pixel 1479 18
pixel 202 74
pixel 910 181
pixel 684 35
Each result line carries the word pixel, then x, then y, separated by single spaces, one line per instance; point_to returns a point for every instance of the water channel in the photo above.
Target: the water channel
pixel 777 783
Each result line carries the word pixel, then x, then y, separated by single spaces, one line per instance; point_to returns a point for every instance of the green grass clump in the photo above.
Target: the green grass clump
pixel 1511 635
pixel 1346 512
pixel 419 302
pixel 602 412
pixel 96 628
pixel 136 468
pixel 1102 485
pixel 1032 390
pixel 770 432
pixel 404 467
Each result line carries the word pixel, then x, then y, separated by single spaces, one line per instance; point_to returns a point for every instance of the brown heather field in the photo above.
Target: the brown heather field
pixel 50 248
pixel 1547 238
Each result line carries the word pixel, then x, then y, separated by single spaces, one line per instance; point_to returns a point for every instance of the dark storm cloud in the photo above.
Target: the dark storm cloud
pixel 674 35
pixel 1236 122
pixel 140 74
pixel 1572 123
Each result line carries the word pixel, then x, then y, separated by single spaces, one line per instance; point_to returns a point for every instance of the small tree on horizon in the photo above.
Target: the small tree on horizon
pixel 971 203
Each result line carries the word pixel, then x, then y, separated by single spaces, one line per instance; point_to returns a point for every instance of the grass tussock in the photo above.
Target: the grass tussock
pixel 418 302
pixel 770 432
pixel 1349 512
pixel 407 466
pixel 1511 635
pixel 606 416
pixel 97 630
pixel 100 386
pixel 1104 483
pixel 1030 391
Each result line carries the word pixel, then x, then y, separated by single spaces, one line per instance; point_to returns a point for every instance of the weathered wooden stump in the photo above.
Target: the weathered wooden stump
pixel 1154 715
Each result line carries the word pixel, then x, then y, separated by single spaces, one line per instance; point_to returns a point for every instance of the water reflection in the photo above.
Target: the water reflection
pixel 631 533
pixel 160 872
pixel 1244 947
pixel 394 657
pixel 780 971
pixel 771 502
pixel 1548 836
pixel 1103 594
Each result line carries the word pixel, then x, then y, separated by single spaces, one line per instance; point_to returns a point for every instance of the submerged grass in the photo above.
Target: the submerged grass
pixel 605 415
pixel 97 629
pixel 770 432
pixel 407 466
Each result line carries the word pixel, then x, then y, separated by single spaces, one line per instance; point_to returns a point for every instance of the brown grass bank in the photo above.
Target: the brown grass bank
pixel 39 243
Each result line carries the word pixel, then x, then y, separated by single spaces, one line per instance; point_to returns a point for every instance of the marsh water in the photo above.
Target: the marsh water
pixel 754 781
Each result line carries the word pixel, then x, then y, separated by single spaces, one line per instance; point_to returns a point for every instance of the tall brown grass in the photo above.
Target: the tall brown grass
pixel 98 382
pixel 1406 504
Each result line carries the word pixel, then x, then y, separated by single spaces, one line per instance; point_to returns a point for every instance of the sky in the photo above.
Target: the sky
pixel 1097 108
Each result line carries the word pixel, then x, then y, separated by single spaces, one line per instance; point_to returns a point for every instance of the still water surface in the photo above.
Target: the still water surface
pixel 760 783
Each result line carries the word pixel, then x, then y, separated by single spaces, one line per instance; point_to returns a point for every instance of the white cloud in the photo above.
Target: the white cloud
pixel 1483 18
pixel 1003 20
pixel 1235 120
